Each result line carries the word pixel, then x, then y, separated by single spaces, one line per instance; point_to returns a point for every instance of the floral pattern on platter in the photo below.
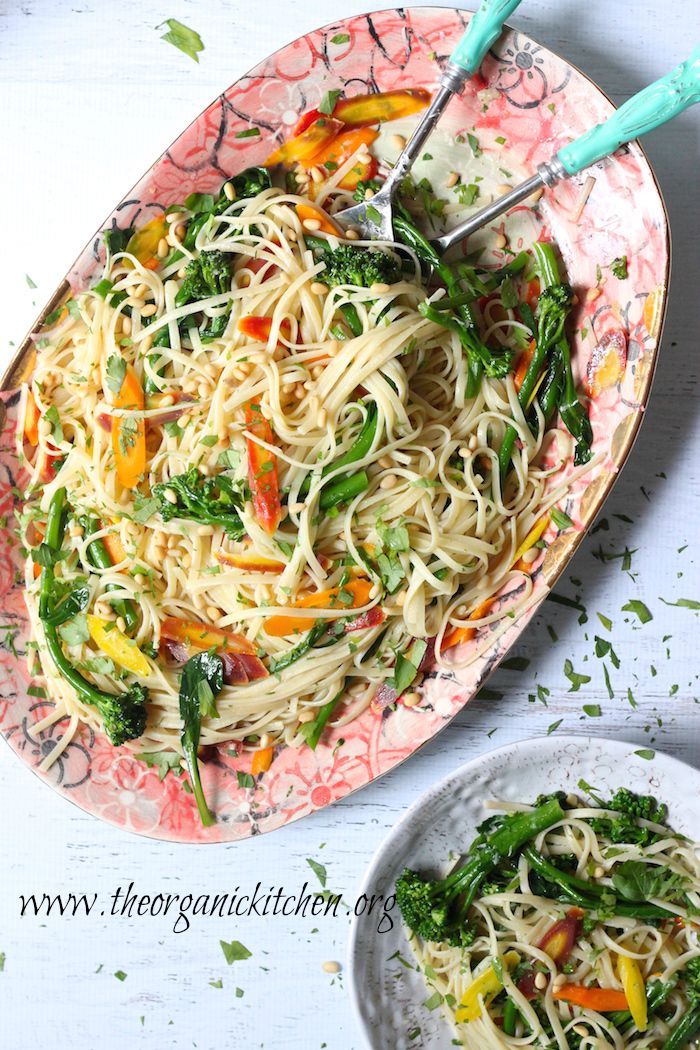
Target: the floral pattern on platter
pixel 536 102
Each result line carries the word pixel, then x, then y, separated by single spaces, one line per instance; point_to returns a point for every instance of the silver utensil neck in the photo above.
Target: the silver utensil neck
pixel 552 171
pixel 453 78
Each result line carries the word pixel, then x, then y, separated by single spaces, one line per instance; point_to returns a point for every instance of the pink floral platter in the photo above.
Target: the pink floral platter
pixel 537 102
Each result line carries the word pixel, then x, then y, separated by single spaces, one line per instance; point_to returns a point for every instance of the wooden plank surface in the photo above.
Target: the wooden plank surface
pixel 90 96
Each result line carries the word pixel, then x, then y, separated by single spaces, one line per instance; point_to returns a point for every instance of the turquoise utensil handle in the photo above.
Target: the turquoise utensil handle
pixel 656 104
pixel 483 30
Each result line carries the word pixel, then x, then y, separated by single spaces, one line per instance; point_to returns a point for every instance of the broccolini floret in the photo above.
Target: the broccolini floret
pixel 209 274
pixel 437 909
pixel 361 267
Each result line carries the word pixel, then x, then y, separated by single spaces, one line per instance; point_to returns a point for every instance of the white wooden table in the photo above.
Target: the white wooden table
pixel 90 96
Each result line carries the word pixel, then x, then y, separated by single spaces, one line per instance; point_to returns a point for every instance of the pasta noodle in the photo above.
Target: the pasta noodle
pixel 433 507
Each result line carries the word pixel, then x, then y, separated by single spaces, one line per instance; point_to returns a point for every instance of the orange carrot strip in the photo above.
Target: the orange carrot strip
pixel 465 634
pixel 262 760
pixel 31 420
pixel 114 548
pixel 204 636
pixel 129 432
pixel 603 1000
pixel 249 560
pixel 302 148
pixel 341 148
pixel 376 109
pixel 307 211
pixel 280 626
pixel 262 471
pixel 523 365
pixel 259 328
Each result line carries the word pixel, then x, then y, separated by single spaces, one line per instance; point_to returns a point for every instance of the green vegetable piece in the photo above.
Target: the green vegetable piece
pixel 210 500
pixel 182 37
pixel 204 669
pixel 123 715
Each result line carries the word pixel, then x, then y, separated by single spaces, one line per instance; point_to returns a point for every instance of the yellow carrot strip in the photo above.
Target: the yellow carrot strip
pixel 633 984
pixel 107 637
pixel 532 537
pixel 487 986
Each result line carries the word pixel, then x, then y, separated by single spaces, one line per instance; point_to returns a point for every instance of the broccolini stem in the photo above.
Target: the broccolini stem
pixel 343 490
pixel 684 1031
pixel 586 894
pixel 657 994
pixel 504 843
pixel 99 556
pixel 510 1016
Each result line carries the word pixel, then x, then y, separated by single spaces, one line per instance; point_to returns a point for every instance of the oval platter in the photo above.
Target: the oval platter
pixel 535 101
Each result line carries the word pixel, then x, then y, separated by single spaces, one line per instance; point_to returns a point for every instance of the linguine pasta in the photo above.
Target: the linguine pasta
pixel 401 564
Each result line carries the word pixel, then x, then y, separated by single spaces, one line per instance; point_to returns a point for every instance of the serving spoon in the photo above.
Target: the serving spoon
pixel 375 218
pixel 648 109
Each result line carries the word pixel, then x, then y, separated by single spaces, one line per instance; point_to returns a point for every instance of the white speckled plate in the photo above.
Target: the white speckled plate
pixel 387 996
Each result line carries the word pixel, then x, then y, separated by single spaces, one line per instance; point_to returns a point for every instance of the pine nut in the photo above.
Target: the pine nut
pixel 312 224
pixel 389 481
pixel 598 872
pixel 592 294
pixel 379 288
pixel 332 347
pixel 305 716
pixel 411 699
pixel 316 174
pixel 375 591
pixel 180 231
pixel 580 1029
pixel 45 428
pixel 573 801
pixel 369 194
pixel 559 981
pixel 212 612
pixel 398 141
pixel 148 310
pixel 139 579
pixel 531 555
pixel 500 241
pixel 451 180
pixel 126 325
pixel 400 598
pixel 352 234
pixel 229 191
pixel 534 197
pixel 140 291
pixel 163 248
pixel 317 371
pixel 318 288
pixel 76 530
pixel 505 187
pixel 121 624
pixel 541 981
pixel 386 462
pixel 331 967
